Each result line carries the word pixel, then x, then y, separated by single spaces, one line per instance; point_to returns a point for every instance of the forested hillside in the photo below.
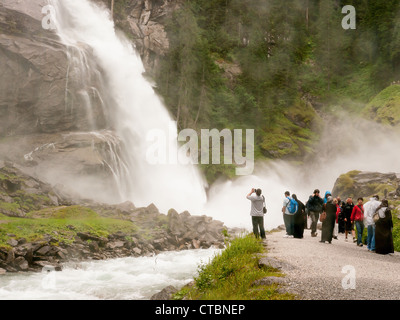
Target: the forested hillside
pixel 266 64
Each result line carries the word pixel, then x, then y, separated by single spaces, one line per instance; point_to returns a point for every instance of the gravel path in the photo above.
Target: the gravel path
pixel 314 270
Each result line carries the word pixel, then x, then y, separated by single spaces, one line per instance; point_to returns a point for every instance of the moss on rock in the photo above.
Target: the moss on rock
pixel 385 107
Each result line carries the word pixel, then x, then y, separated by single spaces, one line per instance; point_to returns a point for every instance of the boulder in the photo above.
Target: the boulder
pixel 21 264
pixel 43 251
pixel 115 245
pixel 366 184
pixel 165 294
pixel 12 242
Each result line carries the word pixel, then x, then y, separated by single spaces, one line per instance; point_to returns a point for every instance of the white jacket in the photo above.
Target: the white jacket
pixel 369 210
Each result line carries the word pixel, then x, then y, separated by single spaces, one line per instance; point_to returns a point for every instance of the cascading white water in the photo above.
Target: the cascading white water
pixel 121 279
pixel 135 110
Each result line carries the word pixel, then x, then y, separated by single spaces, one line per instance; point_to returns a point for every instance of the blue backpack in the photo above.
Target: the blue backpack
pixel 292 205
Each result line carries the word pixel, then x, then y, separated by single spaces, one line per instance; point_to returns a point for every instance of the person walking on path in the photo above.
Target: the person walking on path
pixel 370 208
pixel 299 219
pixel 358 217
pixel 314 206
pixel 383 230
pixel 348 224
pixel 288 217
pixel 338 213
pixel 256 212
pixel 341 227
pixel 329 223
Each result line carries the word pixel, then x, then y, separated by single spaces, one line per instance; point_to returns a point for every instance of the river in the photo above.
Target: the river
pixel 118 279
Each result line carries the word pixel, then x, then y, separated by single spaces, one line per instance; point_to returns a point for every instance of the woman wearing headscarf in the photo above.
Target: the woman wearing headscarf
pixel 383 230
pixel 299 219
pixel 329 223
pixel 327 195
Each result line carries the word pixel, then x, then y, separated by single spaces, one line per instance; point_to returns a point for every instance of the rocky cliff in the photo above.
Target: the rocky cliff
pixel 54 119
pixel 144 21
pixel 366 184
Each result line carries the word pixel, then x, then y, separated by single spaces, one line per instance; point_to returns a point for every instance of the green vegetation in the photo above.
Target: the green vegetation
pixel 258 64
pixel 231 275
pixel 62 224
pixel 396 225
pixel 344 185
pixel 396 234
pixel 385 107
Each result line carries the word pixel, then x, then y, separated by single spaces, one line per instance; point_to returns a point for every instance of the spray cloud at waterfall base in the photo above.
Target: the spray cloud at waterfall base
pixel 132 109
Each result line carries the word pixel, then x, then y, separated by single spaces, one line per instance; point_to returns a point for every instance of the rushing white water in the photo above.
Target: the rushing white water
pixel 134 109
pixel 121 279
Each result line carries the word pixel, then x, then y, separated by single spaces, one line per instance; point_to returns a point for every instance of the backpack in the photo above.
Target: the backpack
pixel 264 206
pixel 292 205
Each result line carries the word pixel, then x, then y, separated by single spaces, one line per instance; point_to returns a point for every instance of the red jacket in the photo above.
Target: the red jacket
pixel 357 214
pixel 338 211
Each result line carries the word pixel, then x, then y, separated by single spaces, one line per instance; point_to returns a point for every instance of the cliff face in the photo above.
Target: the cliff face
pixel 40 89
pixel 45 94
pixel 144 21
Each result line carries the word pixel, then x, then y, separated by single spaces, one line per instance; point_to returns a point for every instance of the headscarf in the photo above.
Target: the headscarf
pixel 326 196
pixel 382 209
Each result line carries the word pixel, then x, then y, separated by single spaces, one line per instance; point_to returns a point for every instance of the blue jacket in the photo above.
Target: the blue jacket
pixel 326 196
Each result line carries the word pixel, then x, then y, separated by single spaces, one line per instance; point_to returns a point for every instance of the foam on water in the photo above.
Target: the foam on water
pixel 123 278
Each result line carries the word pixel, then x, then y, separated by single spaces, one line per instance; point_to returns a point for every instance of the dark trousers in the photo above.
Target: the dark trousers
pixel 360 230
pixel 288 219
pixel 258 227
pixel 314 220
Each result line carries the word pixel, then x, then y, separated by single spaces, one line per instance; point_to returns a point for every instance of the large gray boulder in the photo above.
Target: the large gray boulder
pixel 366 184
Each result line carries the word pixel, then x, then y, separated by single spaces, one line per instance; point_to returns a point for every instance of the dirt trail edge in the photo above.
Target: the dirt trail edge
pixel 337 271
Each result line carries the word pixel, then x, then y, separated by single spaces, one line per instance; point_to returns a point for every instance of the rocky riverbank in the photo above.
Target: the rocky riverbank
pixel 39 226
pixel 21 255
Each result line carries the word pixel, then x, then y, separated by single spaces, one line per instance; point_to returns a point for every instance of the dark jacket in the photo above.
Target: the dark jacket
pixel 347 210
pixel 315 204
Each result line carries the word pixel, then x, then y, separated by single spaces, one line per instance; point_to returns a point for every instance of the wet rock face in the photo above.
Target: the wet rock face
pixel 41 90
pixel 50 96
pixel 144 22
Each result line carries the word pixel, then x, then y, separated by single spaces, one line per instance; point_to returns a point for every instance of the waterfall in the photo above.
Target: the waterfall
pixel 133 109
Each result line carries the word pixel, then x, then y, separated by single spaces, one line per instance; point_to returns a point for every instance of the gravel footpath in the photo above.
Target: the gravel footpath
pixel 314 270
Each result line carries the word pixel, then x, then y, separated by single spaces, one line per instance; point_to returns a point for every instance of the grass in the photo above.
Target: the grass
pixel 385 107
pixel 396 227
pixel 62 224
pixel 231 274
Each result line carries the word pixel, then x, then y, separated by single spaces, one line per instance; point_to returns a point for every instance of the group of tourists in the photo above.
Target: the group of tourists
pixel 337 216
